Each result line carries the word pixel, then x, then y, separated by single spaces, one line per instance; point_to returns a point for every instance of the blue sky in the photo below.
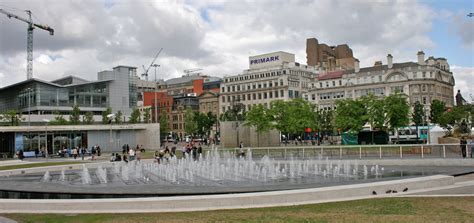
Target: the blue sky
pixel 448 43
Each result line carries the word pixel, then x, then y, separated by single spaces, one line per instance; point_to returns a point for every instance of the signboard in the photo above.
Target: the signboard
pixel 270 59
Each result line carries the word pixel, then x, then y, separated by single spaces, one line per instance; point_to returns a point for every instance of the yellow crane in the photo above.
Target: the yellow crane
pixel 29 46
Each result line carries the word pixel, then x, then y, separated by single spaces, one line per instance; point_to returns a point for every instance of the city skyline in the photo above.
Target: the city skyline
pixel 219 36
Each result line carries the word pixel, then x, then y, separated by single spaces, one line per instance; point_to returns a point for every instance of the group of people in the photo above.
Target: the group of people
pixel 466 146
pixel 128 154
pixel 82 151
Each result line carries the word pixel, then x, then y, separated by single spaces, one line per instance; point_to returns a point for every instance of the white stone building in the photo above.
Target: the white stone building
pixel 422 81
pixel 273 76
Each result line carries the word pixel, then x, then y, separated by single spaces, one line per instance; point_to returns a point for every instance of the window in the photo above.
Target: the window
pixel 248 97
pixel 223 98
pixel 259 95
pixel 424 74
pixel 254 96
pixel 276 94
pixel 282 93
pixel 333 83
pixel 270 94
pixel 223 89
pixel 281 82
pixel 264 95
pixel 223 108
pixel 320 84
pixel 238 87
pixel 424 100
pixel 340 82
pixel 290 93
pixel 233 88
pixel 264 85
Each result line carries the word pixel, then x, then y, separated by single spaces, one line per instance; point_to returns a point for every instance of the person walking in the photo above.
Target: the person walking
pixel 93 152
pixel 131 154
pixel 98 149
pixel 36 152
pixel 83 152
pixel 74 152
pixel 463 144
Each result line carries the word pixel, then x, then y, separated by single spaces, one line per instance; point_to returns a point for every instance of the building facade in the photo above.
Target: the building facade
pixel 270 77
pixel 329 58
pixel 115 89
pixel 423 81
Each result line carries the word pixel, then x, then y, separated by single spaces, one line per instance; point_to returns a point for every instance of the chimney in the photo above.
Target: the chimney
pixel 356 65
pixel 389 61
pixel 421 57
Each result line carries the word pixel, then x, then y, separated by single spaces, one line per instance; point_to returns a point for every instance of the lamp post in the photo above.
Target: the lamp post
pixel 110 117
pixel 156 110
pixel 46 137
pixel 29 114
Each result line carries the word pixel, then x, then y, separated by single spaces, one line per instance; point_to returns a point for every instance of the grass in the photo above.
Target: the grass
pixel 31 165
pixel 445 209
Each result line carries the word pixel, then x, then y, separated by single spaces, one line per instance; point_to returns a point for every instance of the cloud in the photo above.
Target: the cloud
pixel 464 77
pixel 217 36
pixel 463 26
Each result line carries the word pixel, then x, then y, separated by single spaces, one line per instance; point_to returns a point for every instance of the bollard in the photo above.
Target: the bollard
pixel 380 152
pixel 285 152
pixel 444 151
pixel 422 155
pixel 360 152
pixel 340 152
pixel 303 153
pixel 401 153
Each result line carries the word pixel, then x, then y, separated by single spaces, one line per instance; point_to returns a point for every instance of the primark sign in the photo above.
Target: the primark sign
pixel 264 60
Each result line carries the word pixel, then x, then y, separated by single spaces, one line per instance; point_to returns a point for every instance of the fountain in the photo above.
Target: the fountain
pixel 215 172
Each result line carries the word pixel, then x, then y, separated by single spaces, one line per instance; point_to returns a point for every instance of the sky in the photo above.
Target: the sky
pixel 218 36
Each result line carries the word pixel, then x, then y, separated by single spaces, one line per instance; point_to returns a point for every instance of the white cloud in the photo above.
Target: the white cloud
pixel 464 77
pixel 217 36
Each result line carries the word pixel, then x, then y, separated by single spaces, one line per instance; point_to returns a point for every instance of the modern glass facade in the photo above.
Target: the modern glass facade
pixel 54 141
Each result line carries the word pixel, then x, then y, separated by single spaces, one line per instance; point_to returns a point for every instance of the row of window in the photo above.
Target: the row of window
pixel 254 76
pixel 258 85
pixel 254 96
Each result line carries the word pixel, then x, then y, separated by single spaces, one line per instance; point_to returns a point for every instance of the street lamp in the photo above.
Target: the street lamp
pixel 46 137
pixel 110 117
pixel 156 110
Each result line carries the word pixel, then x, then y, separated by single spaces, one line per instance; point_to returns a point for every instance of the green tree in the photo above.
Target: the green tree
pixel 398 110
pixel 350 115
pixel 13 117
pixel 280 116
pixel 375 111
pixel 135 116
pixel 236 113
pixel 147 115
pixel 89 118
pixel 164 123
pixel 204 122
pixel 259 118
pixel 190 126
pixel 58 119
pixel 75 116
pixel 417 116
pixel 437 109
pixel 105 119
pixel 119 117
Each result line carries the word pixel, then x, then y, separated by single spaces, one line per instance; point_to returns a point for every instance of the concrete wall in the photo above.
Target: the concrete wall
pixel 231 135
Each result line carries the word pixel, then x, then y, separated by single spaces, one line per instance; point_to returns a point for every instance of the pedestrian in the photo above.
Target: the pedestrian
pixel 98 150
pixel 74 152
pixel 138 154
pixel 131 154
pixel 93 152
pixel 36 152
pixel 21 155
pixel 463 144
pixel 112 158
pixel 83 152
pixel 124 149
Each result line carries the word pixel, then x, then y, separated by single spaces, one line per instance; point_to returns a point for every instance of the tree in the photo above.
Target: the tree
pixel 75 116
pixel 105 119
pixel 397 109
pixel 375 111
pixel 417 116
pixel 258 117
pixel 301 115
pixel 135 116
pixel 164 123
pixel 13 117
pixel 204 122
pixel 350 115
pixel 58 119
pixel 190 126
pixel 236 113
pixel 89 118
pixel 147 115
pixel 437 109
pixel 118 117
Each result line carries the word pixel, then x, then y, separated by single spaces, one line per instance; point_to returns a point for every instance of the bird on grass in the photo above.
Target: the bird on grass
pixel 374 193
pixel 406 189
pixel 388 192
pixel 394 191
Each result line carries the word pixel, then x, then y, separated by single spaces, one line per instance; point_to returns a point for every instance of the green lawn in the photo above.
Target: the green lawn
pixel 31 165
pixel 446 209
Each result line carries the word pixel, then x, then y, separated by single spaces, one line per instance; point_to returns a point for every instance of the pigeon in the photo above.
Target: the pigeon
pixel 374 193
pixel 394 191
pixel 406 189
pixel 388 192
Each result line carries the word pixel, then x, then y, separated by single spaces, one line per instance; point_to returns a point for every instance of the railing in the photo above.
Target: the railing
pixel 395 151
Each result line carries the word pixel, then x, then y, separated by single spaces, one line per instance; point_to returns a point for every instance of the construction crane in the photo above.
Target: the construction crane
pixel 151 65
pixel 187 72
pixel 29 46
